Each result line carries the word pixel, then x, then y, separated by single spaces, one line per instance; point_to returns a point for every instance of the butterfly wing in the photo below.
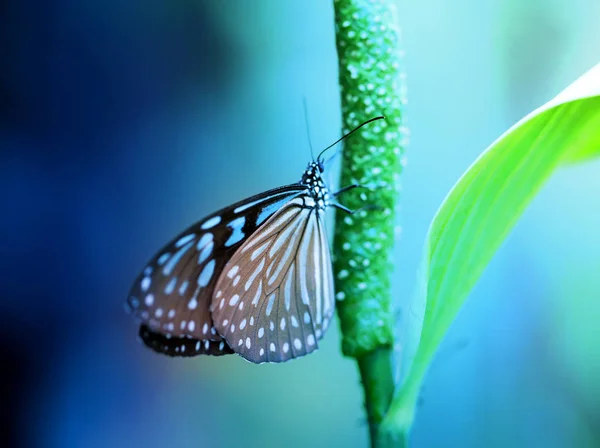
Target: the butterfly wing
pixel 274 299
pixel 182 346
pixel 172 294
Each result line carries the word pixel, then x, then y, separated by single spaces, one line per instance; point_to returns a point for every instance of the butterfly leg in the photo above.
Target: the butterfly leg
pixel 353 186
pixel 352 212
pixel 346 209
pixel 343 208
pixel 348 188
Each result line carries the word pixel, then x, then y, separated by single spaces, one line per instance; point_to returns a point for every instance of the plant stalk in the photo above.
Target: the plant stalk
pixel 371 83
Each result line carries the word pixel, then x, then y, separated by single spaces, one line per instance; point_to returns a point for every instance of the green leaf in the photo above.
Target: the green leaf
pixel 477 215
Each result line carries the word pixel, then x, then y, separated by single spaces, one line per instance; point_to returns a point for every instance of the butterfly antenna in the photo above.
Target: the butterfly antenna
pixel 381 117
pixel 312 155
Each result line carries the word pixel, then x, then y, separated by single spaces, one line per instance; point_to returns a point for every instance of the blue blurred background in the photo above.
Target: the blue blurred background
pixel 121 122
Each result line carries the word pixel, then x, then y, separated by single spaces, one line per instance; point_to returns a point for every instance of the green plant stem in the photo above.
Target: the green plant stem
pixel 371 84
pixel 376 373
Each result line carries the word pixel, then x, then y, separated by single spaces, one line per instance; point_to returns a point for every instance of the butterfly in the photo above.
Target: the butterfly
pixel 254 278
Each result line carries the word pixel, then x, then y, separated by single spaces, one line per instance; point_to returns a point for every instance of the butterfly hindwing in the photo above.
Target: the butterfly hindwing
pixel 274 299
pixel 182 346
pixel 171 296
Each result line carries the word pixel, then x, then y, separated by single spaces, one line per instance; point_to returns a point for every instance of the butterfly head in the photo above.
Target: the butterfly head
pixel 317 188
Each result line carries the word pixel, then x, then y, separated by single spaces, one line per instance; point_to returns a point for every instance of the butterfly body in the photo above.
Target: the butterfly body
pixel 316 186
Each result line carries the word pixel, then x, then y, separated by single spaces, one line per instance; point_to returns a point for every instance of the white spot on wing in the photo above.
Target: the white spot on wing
pixel 258 294
pixel 183 287
pixel 171 285
pixel 206 273
pixel 287 292
pixel 318 260
pixel 168 268
pixel 206 238
pixel 328 299
pixel 205 253
pixel 259 251
pixel 211 222
pixel 306 317
pixel 184 240
pixel 283 237
pixel 303 257
pixel 243 207
pixel 270 304
pixel 283 260
pixel 237 235
pixel 257 271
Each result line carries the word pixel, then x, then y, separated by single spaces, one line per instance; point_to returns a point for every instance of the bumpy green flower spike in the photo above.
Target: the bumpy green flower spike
pixel 372 83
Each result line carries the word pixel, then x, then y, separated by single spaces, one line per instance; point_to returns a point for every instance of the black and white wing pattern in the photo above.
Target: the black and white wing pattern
pixel 274 298
pixel 182 346
pixel 171 296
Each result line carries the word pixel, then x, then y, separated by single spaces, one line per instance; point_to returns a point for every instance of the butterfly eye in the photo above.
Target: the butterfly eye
pixel 321 166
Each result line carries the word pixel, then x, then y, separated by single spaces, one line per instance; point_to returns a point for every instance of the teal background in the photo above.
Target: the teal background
pixel 123 122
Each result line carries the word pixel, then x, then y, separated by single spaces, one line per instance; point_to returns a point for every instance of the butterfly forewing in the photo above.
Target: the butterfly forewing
pixel 172 294
pixel 182 346
pixel 274 298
